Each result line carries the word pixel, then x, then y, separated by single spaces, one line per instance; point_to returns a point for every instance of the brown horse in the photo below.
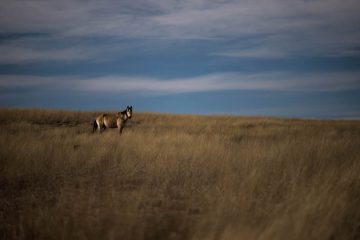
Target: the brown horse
pixel 118 120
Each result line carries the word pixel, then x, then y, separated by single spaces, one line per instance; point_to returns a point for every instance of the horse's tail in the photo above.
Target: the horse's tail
pixel 95 126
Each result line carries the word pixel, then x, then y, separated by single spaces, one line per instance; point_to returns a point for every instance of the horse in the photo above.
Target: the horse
pixel 118 120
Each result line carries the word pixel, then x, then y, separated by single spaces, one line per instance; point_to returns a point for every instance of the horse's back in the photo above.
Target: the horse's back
pixel 110 120
pixel 100 117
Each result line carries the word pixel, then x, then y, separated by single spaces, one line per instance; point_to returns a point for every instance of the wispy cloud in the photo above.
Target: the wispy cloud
pixel 14 54
pixel 282 81
pixel 279 28
pixel 253 52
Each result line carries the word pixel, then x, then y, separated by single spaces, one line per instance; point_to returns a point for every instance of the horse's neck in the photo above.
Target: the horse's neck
pixel 123 116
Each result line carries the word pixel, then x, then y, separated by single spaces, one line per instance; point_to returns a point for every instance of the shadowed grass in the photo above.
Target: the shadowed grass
pixel 178 177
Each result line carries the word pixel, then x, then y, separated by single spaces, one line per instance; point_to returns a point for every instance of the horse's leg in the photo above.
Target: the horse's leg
pixel 121 129
pixel 103 128
pixel 100 126
pixel 120 125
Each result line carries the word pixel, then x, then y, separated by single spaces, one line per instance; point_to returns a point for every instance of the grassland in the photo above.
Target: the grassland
pixel 178 177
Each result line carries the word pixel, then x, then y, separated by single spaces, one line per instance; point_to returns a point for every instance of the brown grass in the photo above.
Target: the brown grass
pixel 178 177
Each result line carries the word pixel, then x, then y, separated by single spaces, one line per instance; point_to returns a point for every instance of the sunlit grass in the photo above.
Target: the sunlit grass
pixel 178 177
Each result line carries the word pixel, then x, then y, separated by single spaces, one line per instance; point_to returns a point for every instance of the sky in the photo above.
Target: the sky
pixel 298 58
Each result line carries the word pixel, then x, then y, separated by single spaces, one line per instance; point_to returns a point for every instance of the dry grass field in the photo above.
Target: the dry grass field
pixel 178 177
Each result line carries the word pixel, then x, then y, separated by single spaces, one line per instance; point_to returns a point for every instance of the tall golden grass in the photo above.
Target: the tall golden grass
pixel 177 177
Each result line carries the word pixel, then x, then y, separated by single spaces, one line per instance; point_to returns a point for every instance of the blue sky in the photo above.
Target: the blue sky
pixel 260 57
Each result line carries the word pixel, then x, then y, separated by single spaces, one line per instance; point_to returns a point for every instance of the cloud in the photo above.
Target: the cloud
pixel 278 28
pixel 255 52
pixel 14 54
pixel 280 81
pixel 283 81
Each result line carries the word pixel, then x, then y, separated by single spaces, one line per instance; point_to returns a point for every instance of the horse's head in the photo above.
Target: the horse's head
pixel 129 111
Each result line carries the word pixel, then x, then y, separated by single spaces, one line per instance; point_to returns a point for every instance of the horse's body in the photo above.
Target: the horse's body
pixel 116 120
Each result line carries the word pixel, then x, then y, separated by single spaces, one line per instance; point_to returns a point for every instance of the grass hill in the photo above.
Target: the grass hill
pixel 177 177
